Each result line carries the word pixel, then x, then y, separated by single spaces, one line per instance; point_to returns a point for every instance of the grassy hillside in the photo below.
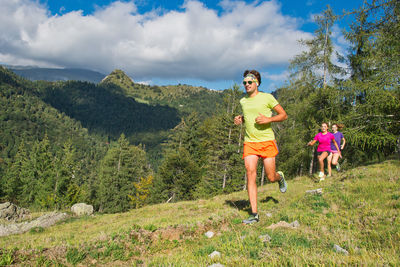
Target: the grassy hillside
pixel 25 116
pixel 358 210
pixel 184 98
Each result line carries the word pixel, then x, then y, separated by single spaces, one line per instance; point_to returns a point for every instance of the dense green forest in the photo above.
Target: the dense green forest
pixel 120 145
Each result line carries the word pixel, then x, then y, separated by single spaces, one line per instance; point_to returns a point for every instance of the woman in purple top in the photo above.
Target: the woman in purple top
pixel 340 141
pixel 324 139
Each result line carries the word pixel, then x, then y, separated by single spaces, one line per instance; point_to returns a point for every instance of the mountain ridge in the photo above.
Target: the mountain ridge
pixel 34 73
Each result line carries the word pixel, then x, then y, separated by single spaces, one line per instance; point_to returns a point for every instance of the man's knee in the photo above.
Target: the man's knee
pixel 251 171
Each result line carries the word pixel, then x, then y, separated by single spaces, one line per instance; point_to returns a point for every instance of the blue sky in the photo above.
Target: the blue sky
pixel 203 43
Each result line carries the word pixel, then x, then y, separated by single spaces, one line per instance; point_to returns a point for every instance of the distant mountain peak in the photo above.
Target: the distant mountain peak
pixel 120 78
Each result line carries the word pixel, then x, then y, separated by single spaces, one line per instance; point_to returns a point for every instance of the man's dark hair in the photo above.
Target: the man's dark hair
pixel 255 73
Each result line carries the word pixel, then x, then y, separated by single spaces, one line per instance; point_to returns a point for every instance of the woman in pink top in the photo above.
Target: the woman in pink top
pixel 324 139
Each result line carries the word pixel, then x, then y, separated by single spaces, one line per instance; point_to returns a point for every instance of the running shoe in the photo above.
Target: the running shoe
pixel 252 219
pixel 282 182
pixel 338 167
pixel 321 176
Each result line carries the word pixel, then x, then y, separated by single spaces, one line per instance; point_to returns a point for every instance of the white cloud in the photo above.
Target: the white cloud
pixel 195 42
pixel 280 77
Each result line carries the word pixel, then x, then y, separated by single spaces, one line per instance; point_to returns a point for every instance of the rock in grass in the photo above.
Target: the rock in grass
pixel 265 238
pixel 11 212
pixel 340 249
pixel 216 265
pixel 315 191
pixel 44 221
pixel 215 254
pixel 82 209
pixel 209 234
pixel 295 224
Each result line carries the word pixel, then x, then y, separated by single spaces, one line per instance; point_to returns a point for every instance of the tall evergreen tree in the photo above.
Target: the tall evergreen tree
pixel 176 178
pixel 66 189
pixel 373 122
pixel 13 183
pixel 121 166
pixel 317 60
pixel 223 142
pixel 44 174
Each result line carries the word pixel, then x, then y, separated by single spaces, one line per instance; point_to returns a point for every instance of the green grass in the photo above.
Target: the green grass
pixel 358 210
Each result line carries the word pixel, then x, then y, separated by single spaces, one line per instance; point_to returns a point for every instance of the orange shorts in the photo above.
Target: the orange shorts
pixel 267 149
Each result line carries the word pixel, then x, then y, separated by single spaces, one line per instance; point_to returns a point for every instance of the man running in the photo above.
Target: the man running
pixel 259 138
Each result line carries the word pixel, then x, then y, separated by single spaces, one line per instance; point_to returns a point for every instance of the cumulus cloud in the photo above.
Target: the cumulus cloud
pixel 192 42
pixel 277 77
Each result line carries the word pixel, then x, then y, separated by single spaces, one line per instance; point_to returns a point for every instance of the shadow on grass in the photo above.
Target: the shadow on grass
pixel 239 204
pixel 245 204
pixel 268 198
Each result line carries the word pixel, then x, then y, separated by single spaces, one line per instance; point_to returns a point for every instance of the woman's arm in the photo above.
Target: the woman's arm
pixel 337 147
pixel 311 143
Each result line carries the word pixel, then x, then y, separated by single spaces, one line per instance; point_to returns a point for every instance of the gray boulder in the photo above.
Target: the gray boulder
pixel 215 254
pixel 44 221
pixel 11 212
pixel 315 191
pixel 339 249
pixel 265 238
pixel 209 234
pixel 82 209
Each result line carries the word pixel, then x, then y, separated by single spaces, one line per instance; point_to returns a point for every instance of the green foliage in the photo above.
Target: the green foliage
pixel 25 122
pixel 36 230
pixel 6 257
pixel 318 57
pixel 74 256
pixel 203 158
pixel 222 143
pixel 177 177
pixel 123 165
pixel 150 227
pixel 367 104
pixel 142 191
pixel 104 111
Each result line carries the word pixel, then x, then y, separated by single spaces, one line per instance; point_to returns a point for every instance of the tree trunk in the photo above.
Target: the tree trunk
pixel 325 58
pixel 224 180
pixel 240 137
pixel 226 165
pixel 312 162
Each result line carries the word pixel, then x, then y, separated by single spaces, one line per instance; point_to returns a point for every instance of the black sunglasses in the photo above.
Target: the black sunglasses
pixel 249 82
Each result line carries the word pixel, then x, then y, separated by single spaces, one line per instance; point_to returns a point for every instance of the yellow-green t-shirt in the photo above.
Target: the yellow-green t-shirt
pixel 261 103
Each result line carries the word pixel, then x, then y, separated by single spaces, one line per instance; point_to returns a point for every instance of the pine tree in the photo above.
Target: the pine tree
pixel 177 177
pixel 121 166
pixel 317 59
pixel 373 122
pixel 44 169
pixel 222 141
pixel 66 189
pixel 13 183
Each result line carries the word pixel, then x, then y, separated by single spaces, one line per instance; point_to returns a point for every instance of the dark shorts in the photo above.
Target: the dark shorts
pixel 320 153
